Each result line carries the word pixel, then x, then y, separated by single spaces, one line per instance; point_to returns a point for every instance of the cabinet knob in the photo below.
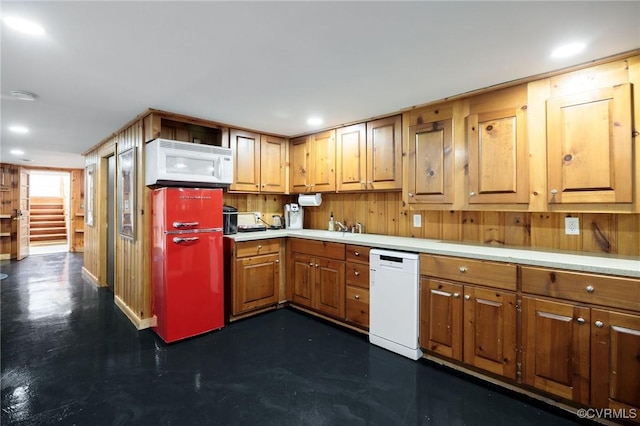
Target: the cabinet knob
pixel 599 324
pixel 580 320
pixel 357 296
pixel 356 273
pixel 317 265
pixel 410 195
pixel 310 263
pixel 472 194
pixel 277 260
pixel 363 182
pixel 467 297
pixel 456 295
pixel 257 185
pixel 356 253
pixel 463 269
pixel 264 184
pixel 590 289
pixel 369 182
pixel 259 247
pixel 554 191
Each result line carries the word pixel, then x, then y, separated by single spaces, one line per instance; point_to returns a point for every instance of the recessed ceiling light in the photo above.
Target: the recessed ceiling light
pixel 17 152
pixel 19 129
pixel 314 121
pixel 23 95
pixel 568 50
pixel 24 26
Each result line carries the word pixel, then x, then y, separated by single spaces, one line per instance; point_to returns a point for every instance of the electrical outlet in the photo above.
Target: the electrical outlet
pixel 572 226
pixel 258 216
pixel 417 220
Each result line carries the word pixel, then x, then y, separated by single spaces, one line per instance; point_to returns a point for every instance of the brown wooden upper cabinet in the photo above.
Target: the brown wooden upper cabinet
pixel 431 158
pixel 498 152
pixel 313 163
pixel 589 146
pixel 259 162
pixel 369 155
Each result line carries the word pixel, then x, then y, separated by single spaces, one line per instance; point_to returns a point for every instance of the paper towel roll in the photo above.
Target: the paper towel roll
pixel 310 200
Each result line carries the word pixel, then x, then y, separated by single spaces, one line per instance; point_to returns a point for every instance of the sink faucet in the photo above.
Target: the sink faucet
pixel 357 228
pixel 341 227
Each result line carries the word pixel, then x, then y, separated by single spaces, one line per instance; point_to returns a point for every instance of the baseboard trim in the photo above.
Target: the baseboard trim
pixel 139 323
pixel 90 277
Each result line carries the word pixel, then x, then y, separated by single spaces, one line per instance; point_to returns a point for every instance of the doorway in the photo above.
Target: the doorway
pixel 111 226
pixel 50 204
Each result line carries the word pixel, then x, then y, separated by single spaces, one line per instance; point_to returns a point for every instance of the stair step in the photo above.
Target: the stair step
pixel 48 237
pixel 48 217
pixel 47 205
pixel 47 211
pixel 47 224
pixel 45 231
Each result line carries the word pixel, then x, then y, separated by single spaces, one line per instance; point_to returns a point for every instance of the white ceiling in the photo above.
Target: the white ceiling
pixel 271 65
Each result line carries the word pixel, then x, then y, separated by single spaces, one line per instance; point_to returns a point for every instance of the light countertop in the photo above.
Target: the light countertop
pixel 626 266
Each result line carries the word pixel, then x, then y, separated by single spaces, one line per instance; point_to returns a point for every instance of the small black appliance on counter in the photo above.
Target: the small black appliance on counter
pixel 229 220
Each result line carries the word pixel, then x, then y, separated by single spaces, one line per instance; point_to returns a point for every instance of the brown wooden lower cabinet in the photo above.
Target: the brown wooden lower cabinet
pixel 318 283
pixel 470 324
pixel 556 347
pixel 257 281
pixel 615 360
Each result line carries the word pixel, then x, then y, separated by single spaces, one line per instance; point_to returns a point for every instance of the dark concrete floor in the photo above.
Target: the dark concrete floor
pixel 69 356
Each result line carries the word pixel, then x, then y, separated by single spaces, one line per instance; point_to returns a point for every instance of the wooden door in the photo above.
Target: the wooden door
pixel 589 146
pixel 615 360
pixel 22 216
pixel 441 317
pixel 490 330
pixel 384 153
pixel 256 282
pixel 351 158
pixel 245 147
pixel 556 348
pixel 330 287
pixel 431 159
pixel 273 159
pixel 323 162
pixel 498 157
pixel 299 157
pixel 301 279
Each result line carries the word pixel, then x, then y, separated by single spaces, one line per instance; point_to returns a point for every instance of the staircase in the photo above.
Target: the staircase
pixel 47 221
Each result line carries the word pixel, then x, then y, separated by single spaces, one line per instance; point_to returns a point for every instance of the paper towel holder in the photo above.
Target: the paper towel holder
pixel 310 200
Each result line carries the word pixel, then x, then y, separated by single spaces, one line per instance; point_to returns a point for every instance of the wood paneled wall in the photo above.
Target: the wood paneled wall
pixel 384 213
pixel 267 204
pixel 76 214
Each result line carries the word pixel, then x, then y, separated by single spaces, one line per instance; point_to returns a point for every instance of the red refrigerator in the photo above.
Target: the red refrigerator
pixel 186 266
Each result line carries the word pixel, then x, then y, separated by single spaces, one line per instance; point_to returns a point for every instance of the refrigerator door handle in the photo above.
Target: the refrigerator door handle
pixel 179 240
pixel 184 224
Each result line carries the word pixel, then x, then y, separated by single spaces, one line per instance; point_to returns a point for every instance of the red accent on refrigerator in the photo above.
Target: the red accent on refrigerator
pixel 187 265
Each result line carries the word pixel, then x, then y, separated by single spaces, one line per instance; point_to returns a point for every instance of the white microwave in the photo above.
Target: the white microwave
pixel 187 164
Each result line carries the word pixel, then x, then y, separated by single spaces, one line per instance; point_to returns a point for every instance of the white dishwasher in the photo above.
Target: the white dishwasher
pixel 394 302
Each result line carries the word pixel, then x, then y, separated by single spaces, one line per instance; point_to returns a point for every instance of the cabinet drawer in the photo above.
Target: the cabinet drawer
pixel 358 275
pixel 317 248
pixel 257 247
pixel 492 274
pixel 358 254
pixel 358 306
pixel 616 292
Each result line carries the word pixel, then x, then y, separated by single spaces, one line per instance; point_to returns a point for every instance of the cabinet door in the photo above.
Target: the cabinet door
pixel 556 348
pixel 256 282
pixel 299 154
pixel 273 160
pixel 615 360
pixel 245 147
pixel 490 330
pixel 498 166
pixel 323 162
pixel 441 317
pixel 589 147
pixel 431 162
pixel 384 153
pixel 330 287
pixel 301 279
pixel 351 159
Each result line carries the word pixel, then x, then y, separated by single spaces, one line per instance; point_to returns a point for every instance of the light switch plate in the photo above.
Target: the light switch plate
pixel 417 220
pixel 571 226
